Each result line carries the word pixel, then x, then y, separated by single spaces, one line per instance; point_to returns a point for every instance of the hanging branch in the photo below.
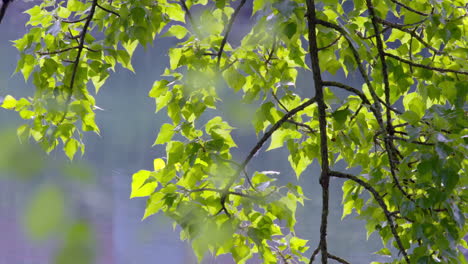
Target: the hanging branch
pixel 259 145
pixel 382 204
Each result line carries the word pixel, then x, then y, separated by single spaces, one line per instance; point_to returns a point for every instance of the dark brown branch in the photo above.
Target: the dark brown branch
pixel 72 21
pixel 409 8
pixel 275 127
pixel 349 89
pixel 414 64
pixel 331 44
pixel 307 127
pixel 325 166
pixel 57 51
pixel 228 30
pixel 376 107
pixel 108 10
pixel 389 146
pixel 299 124
pixel 412 33
pixel 340 260
pixel 260 144
pixel 316 251
pixel 382 205
pixel 77 59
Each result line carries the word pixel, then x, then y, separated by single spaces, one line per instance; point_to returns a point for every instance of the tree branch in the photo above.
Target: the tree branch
pixel 325 166
pixel 228 30
pixel 382 205
pixel 409 8
pixel 260 143
pixel 316 251
pixel 76 62
pixel 414 64
pixel 108 10
pixel 376 108
pixel 331 44
pixel 412 33
pixel 340 260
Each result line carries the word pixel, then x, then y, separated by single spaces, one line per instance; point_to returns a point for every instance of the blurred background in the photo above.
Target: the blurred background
pixel 56 211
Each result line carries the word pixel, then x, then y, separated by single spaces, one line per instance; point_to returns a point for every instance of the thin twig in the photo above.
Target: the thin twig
pixel 316 251
pixel 389 146
pixel 341 260
pixel 382 205
pixel 307 127
pixel 412 33
pixel 260 144
pixel 108 10
pixel 57 51
pixel 409 8
pixel 331 44
pixel 72 21
pixel 77 59
pixel 228 30
pixel 424 66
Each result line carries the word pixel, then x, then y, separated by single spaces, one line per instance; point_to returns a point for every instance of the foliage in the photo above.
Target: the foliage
pixel 405 128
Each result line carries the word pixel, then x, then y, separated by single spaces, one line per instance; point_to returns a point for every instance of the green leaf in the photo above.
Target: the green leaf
pixel 414 102
pixel 290 29
pixel 384 252
pixel 154 204
pixel 165 134
pixel 240 253
pixel 75 5
pixel 158 164
pixel 174 57
pixel 234 79
pixel 258 5
pixel 411 117
pixel 175 12
pixel 177 31
pixel 71 147
pixel 9 102
pixel 140 186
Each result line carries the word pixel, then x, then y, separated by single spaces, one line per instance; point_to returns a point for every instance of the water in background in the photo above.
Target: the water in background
pixel 128 129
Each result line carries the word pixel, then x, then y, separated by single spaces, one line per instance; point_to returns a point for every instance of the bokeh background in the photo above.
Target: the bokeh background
pixel 52 209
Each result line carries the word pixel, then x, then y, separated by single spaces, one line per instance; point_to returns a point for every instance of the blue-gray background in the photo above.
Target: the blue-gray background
pixel 128 129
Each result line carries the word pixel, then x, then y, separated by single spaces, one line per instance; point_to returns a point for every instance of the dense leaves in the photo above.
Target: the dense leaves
pixel 405 128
